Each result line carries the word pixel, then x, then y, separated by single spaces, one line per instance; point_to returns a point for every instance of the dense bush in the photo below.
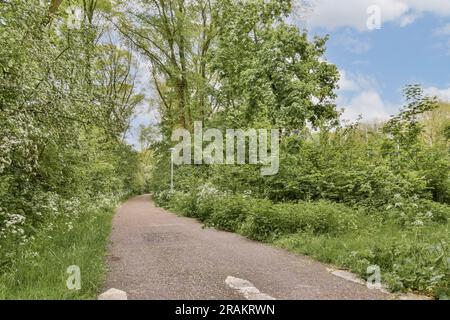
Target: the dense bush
pixel 258 218
pixel 358 165
pixel 410 212
pixel 184 203
pixel 316 217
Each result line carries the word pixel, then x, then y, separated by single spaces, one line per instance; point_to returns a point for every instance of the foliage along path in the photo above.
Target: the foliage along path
pixel 155 254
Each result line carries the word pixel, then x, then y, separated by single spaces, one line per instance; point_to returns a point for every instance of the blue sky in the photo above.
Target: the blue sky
pixel 412 46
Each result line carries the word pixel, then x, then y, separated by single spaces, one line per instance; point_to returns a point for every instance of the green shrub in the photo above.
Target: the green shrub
pixel 183 203
pixel 207 196
pixel 162 198
pixel 440 213
pixel 413 212
pixel 320 217
pixel 228 212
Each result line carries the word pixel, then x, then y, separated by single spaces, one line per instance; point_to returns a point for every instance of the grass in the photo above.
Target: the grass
pixel 44 276
pixel 408 260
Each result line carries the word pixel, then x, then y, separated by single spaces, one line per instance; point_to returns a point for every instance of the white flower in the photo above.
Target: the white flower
pixel 14 219
pixel 418 223
pixel 208 190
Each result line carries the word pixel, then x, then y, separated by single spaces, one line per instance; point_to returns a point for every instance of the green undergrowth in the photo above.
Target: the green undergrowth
pixel 40 269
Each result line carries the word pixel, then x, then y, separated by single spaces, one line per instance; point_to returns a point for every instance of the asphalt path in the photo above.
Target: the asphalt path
pixel 156 255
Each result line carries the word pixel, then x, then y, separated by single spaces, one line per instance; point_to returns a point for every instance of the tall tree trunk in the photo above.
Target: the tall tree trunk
pixel 54 6
pixel 183 85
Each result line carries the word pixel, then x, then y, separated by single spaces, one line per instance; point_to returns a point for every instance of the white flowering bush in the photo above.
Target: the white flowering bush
pixel 414 212
pixel 12 226
pixel 162 197
pixel 209 190
pixel 62 154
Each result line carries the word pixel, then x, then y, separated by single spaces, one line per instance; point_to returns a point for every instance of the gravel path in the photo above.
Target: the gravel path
pixel 155 254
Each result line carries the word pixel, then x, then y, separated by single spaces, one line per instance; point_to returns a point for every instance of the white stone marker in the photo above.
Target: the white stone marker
pixel 113 294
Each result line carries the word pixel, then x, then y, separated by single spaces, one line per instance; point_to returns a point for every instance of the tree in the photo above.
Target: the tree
pixel 115 82
pixel 269 69
pixel 237 61
pixel 148 135
pixel 176 37
pixel 405 129
pixel 435 123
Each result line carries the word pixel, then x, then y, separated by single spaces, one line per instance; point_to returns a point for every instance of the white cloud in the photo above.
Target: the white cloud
pixel 408 19
pixel 441 94
pixel 358 95
pixel 346 84
pixel 332 14
pixel 356 82
pixel 367 104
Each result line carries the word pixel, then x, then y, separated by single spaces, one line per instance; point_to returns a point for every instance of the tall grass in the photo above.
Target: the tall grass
pixel 414 260
pixel 40 272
